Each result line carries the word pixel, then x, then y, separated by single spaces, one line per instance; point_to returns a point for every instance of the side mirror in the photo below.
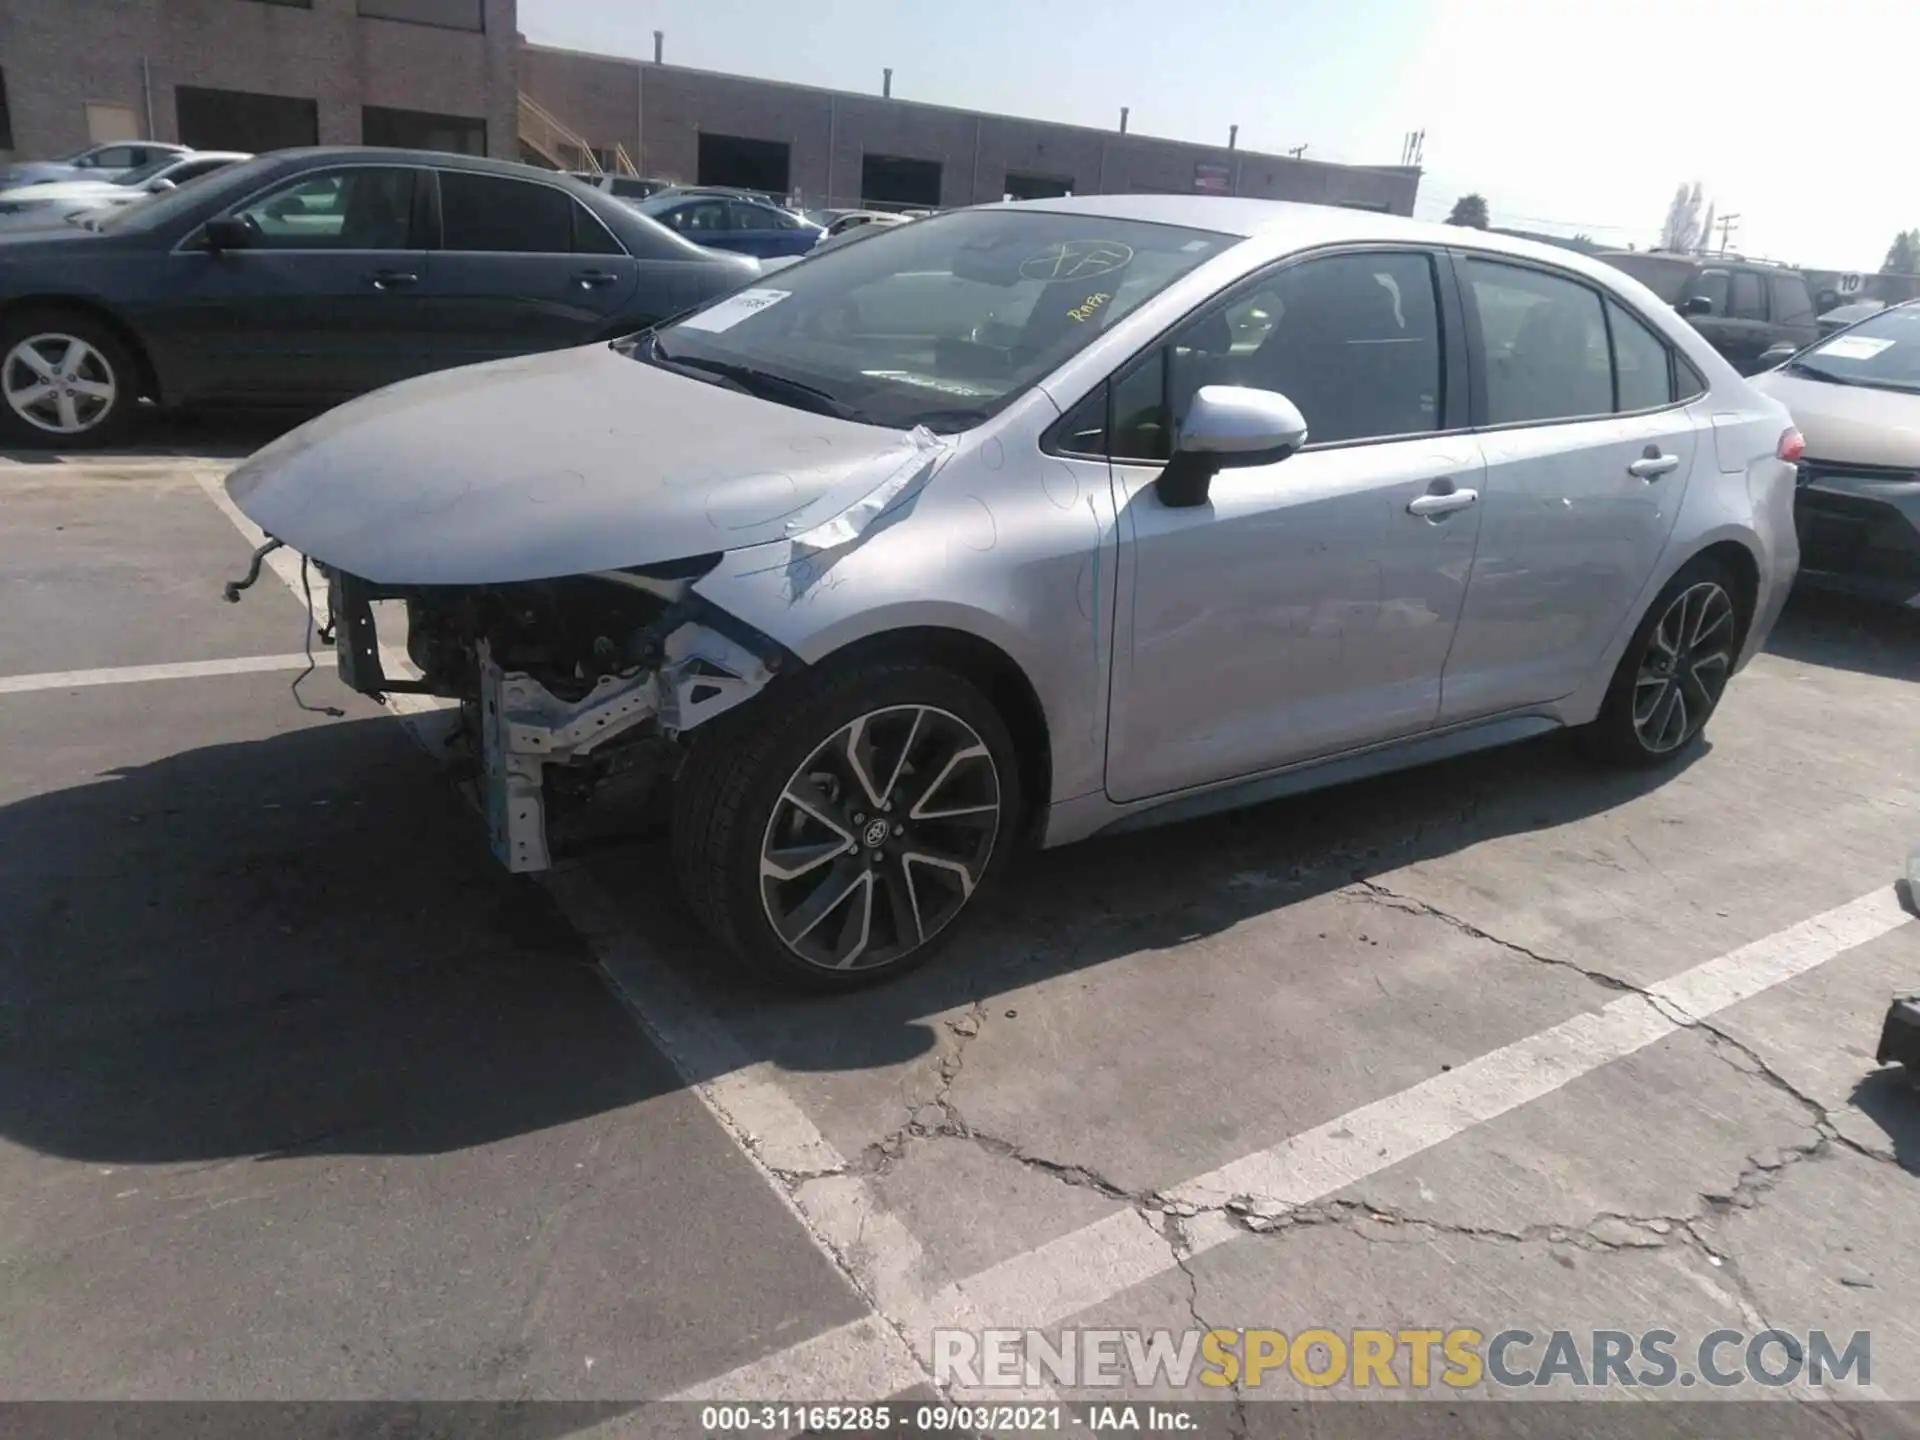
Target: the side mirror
pixel 1224 427
pixel 228 232
pixel 160 186
pixel 1696 305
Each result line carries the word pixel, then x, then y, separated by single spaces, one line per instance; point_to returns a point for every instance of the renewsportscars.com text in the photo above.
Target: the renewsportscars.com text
pixel 1456 1358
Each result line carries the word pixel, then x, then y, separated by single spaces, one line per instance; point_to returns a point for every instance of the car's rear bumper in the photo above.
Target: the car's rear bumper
pixel 1859 529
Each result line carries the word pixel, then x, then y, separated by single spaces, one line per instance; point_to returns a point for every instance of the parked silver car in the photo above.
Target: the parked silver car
pixel 1856 396
pixel 1033 521
pixel 96 162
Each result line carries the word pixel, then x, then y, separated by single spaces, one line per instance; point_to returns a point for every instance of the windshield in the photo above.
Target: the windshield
pixel 942 322
pixel 1882 351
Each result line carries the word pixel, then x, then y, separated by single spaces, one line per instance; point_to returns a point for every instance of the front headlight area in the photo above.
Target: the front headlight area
pixel 566 684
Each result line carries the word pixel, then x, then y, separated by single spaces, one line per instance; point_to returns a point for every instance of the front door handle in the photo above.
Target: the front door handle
pixel 393 279
pixel 592 279
pixel 1653 464
pixel 1443 503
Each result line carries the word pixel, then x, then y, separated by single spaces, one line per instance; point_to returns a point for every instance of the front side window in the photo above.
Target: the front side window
pixel 114 157
pixel 502 216
pixel 1716 287
pixel 945 321
pixel 1545 342
pixel 1352 340
pixel 363 208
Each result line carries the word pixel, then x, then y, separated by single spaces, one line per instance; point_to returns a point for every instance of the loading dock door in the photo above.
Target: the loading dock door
pixel 895 180
pixel 239 120
pixel 745 164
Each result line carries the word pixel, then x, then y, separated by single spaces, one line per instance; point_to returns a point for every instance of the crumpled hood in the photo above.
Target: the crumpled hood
pixel 1849 424
pixel 551 465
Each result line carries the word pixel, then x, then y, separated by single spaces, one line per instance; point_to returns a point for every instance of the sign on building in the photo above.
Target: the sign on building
pixel 1212 178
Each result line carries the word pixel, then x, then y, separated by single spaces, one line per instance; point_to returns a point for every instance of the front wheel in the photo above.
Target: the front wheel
pixel 64 380
pixel 832 837
pixel 1674 671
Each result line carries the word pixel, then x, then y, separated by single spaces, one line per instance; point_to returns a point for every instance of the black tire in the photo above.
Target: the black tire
pixel 106 359
pixel 1629 730
pixel 735 779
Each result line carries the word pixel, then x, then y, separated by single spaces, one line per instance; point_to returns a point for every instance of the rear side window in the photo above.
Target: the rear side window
pixel 495 214
pixel 590 235
pixel 698 217
pixel 1545 343
pixel 1641 362
pixel 1792 305
pixel 1748 302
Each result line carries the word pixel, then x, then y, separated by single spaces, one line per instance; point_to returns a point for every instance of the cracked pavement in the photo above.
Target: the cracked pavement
pixel 1144 1010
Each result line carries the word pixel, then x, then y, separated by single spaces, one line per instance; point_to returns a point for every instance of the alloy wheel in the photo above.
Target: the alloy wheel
pixel 880 838
pixel 58 383
pixel 1688 660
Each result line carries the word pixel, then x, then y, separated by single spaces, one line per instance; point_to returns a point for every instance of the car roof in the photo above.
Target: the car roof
pixel 439 159
pixel 1293 224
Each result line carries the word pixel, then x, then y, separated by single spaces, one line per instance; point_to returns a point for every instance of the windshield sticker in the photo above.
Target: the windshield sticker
pixel 735 308
pixel 1854 347
pixel 1077 260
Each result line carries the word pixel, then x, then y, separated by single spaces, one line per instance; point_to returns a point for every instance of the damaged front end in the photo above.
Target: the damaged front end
pixel 569 685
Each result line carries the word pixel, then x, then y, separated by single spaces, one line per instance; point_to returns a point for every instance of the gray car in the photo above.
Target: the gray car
pixel 1030 522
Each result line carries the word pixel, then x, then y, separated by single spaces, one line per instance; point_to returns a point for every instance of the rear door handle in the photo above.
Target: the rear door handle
pixel 1653 464
pixel 1442 504
pixel 591 279
pixel 393 279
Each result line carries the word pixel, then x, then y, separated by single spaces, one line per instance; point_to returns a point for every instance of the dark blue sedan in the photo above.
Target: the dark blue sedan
pixel 732 222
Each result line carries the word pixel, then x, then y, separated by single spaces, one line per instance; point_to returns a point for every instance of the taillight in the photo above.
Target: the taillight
pixel 1792 445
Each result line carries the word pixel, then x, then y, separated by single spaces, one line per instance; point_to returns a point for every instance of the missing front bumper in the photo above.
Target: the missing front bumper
pixel 525 728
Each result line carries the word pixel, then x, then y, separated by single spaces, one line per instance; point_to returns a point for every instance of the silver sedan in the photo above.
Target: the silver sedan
pixel 1025 523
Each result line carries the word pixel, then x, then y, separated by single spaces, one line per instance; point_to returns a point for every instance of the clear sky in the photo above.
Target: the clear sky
pixel 1567 118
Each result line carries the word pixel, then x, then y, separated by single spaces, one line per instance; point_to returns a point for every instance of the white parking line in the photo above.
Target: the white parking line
pixel 1093 1264
pixel 136 674
pixel 842 1218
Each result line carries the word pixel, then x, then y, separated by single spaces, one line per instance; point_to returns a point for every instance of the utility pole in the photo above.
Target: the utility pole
pixel 1727 224
pixel 1297 151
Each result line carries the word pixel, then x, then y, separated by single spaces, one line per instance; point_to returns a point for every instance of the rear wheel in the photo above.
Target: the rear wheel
pixel 834 837
pixel 65 379
pixel 1674 671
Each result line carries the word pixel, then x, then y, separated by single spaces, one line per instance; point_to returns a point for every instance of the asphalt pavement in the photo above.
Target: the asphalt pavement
pixel 301 1097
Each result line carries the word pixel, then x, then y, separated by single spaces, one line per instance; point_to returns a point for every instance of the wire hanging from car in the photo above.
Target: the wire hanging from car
pixel 306 593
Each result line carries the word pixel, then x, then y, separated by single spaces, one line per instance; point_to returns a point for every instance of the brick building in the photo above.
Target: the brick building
pixel 455 75
pixel 827 147
pixel 257 74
